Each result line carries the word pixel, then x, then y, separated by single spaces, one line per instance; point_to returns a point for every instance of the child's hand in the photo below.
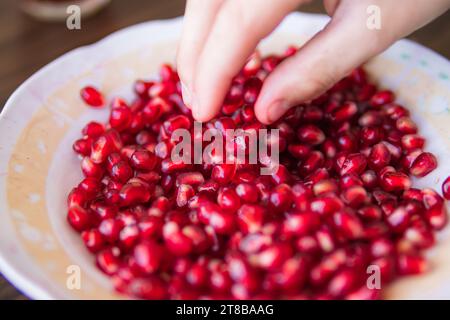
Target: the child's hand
pixel 219 35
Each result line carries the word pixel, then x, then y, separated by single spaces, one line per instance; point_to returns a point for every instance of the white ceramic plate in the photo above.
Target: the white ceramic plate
pixel 45 114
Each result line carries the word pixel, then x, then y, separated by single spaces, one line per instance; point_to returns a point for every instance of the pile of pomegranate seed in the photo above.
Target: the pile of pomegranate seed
pixel 340 201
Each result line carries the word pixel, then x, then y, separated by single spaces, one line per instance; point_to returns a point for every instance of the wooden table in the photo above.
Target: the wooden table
pixel 27 45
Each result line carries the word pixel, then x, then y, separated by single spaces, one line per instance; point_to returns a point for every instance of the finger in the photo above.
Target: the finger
pixel 333 53
pixel 239 27
pixel 331 6
pixel 346 43
pixel 198 19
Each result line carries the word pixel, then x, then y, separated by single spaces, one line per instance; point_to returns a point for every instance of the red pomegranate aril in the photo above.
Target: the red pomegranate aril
pixel 410 265
pixel 371 213
pixel 141 88
pixel 177 122
pixel 379 156
pixel 381 98
pixel 120 118
pixel 412 142
pixel 423 165
pixel 228 199
pixel 222 222
pixel 301 224
pixel 83 146
pixel 110 229
pixel 121 172
pixel 381 247
pixel 353 163
pixel 92 97
pixel 184 193
pixel 148 256
pixel 91 169
pixel 104 211
pixel 345 112
pixel 436 216
pixel 247 192
pixel 350 180
pixel 314 161
pixel 93 129
pixel 399 219
pixel 143 160
pixel 89 185
pixel 223 173
pixel 150 288
pixel 272 257
pixel 250 218
pixel 406 125
pixel 79 218
pixel 430 198
pixel 327 204
pixel 355 196
pixel 251 90
pixel 134 193
pixel 281 198
pixel 342 283
pixel 93 240
pixel 108 260
pixel 169 166
pixel 325 186
pixel 395 181
pixel 312 114
pixel 76 197
pixel 311 134
pixel 348 225
pixel 177 243
pixel 105 145
pixel 446 188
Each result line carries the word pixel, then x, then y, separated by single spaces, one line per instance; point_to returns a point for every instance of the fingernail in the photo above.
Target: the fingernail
pixel 277 109
pixel 186 94
pixel 196 112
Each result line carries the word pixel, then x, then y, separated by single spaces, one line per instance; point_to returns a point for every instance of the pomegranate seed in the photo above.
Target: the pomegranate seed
pixel 148 256
pixel 311 135
pixel 406 125
pixel 395 181
pixel 228 199
pixel 408 265
pixel 281 198
pixel 251 218
pixel 79 218
pixel 134 193
pixel 379 156
pixel 143 160
pixel 120 118
pixel 354 163
pixel 223 173
pixel 348 225
pixel 381 98
pixel 92 97
pixel 121 172
pixel 436 216
pixel 247 192
pixel 251 90
pixel 83 146
pixel 446 188
pixel 423 165
pixel 108 260
pixel 412 142
pixel 93 240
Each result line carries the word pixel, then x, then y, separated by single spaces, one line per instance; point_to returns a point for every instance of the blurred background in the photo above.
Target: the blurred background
pixel 34 32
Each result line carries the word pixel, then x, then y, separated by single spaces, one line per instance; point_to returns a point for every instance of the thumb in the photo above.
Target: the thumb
pixel 333 53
